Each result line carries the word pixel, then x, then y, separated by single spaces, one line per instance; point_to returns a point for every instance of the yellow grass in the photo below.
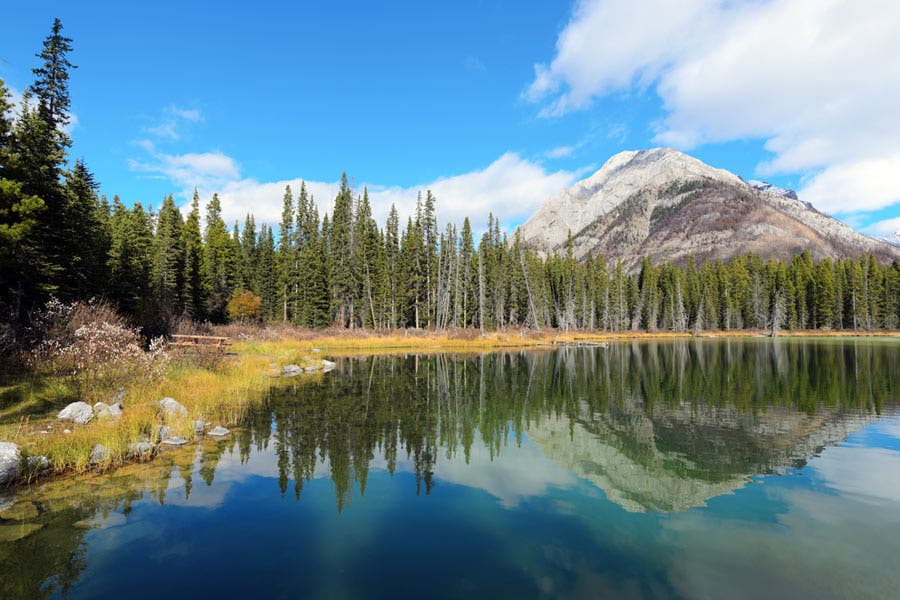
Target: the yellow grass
pixel 222 393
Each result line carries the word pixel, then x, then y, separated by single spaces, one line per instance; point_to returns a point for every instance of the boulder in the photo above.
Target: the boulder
pixel 16 531
pixel 164 432
pixel 218 431
pixel 199 426
pixel 171 408
pixel 175 441
pixel 140 449
pixel 328 364
pixel 116 409
pixel 37 464
pixel 100 454
pixel 77 412
pixel 10 461
pixel 101 411
pixel 311 369
pixel 22 511
pixel 315 350
pixel 291 370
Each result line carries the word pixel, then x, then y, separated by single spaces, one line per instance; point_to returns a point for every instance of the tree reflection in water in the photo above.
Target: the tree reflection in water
pixel 657 426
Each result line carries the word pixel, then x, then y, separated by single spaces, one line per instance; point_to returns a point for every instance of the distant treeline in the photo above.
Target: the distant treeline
pixel 57 236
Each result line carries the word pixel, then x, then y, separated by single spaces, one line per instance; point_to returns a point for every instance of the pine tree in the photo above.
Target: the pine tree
pixel 51 85
pixel 285 252
pixel 248 259
pixel 89 235
pixel 194 290
pixel 341 254
pixel 217 261
pixel 168 259
pixel 22 263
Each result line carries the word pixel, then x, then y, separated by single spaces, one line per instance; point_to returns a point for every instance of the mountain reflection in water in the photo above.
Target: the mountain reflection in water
pixel 652 427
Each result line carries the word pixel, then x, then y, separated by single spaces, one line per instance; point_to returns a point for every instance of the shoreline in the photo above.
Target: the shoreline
pixel 222 395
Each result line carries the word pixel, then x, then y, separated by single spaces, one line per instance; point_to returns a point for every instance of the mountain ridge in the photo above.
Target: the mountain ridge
pixel 667 205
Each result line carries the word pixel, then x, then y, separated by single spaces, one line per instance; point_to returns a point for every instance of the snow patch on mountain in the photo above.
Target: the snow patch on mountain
pixel 765 186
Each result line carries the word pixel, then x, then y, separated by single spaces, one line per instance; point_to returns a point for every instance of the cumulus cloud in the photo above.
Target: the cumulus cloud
pixel 206 170
pixel 511 187
pixel 817 79
pixel 886 227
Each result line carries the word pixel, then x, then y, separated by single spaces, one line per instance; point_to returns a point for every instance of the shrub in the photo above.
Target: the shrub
pixel 245 306
pixel 94 344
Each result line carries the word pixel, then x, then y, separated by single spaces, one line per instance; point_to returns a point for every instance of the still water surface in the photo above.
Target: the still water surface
pixel 686 469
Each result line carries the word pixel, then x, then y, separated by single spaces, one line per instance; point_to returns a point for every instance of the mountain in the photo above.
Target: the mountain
pixel 893 239
pixel 765 186
pixel 666 205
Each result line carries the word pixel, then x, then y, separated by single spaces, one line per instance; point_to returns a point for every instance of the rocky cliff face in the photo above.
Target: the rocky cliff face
pixel 666 205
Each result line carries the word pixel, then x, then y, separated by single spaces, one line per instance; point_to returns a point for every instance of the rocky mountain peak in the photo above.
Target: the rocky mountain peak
pixel 667 205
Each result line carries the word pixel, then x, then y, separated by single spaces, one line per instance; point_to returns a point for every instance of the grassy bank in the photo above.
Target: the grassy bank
pixel 218 394
pixel 221 391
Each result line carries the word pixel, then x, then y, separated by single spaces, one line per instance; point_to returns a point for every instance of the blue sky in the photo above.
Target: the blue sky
pixel 494 105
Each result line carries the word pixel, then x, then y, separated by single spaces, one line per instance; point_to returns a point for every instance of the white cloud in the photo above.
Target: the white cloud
pixel 207 170
pixel 885 227
pixel 188 114
pixel 511 187
pixel 171 125
pixel 818 79
pixel 560 152
pixel 166 130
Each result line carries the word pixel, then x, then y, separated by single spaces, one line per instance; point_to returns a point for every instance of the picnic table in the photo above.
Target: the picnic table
pixel 200 342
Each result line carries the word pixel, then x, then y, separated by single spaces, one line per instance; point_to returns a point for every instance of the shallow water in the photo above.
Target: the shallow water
pixel 686 469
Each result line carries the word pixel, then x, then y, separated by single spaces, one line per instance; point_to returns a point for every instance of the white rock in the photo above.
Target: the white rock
pixel 10 460
pixel 100 454
pixel 139 449
pixel 164 432
pixel 218 431
pixel 290 371
pixel 199 426
pixel 77 412
pixel 172 408
pixel 175 441
pixel 328 363
pixel 37 464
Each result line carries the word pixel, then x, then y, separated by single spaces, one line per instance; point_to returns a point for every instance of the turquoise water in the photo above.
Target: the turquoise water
pixel 688 469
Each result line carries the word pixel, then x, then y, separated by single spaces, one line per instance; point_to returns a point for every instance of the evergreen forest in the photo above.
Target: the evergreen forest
pixel 59 237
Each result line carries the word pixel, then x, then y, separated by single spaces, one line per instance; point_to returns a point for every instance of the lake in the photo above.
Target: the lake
pixel 679 469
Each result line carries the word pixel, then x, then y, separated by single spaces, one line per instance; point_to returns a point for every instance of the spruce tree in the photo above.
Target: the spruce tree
pixel 194 291
pixel 169 259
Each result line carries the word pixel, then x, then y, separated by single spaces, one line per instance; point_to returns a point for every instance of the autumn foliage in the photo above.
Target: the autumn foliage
pixel 244 307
